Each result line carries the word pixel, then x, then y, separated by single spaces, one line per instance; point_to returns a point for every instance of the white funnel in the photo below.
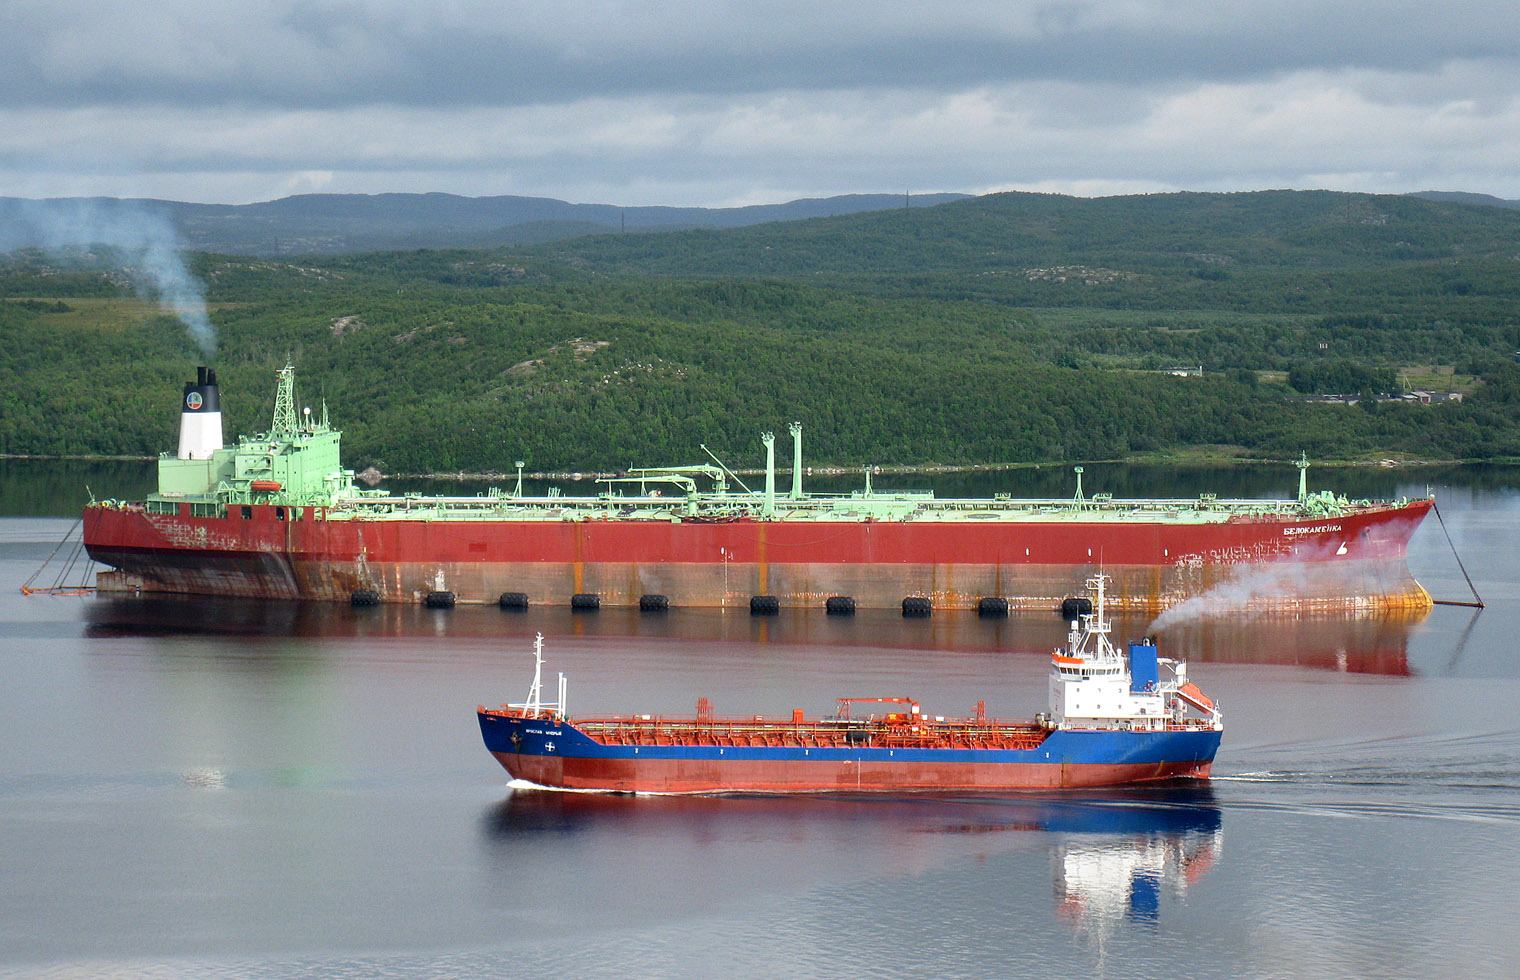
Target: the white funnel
pixel 200 421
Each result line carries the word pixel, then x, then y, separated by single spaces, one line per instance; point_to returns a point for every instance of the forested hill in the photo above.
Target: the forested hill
pixel 1468 198
pixel 329 224
pixel 1008 328
pixel 985 237
pixel 1290 251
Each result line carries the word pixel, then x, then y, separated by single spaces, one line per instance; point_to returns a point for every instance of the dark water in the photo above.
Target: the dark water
pixel 235 789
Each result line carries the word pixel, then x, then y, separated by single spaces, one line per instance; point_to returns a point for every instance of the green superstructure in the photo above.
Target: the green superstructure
pixel 295 463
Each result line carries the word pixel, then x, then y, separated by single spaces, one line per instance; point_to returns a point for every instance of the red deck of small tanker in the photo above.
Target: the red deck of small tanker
pixel 963 733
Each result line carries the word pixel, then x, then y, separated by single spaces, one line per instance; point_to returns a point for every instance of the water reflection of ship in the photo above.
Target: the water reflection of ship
pixel 1164 810
pixel 1114 853
pixel 1100 883
pixel 959 630
pixel 1355 643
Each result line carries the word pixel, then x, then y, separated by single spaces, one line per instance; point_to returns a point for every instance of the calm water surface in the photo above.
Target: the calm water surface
pixel 242 789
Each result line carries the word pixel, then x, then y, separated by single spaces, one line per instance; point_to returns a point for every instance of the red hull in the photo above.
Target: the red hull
pixel 693 776
pixel 1354 559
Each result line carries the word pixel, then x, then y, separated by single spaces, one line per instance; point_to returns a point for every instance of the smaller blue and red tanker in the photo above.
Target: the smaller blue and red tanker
pixel 1113 718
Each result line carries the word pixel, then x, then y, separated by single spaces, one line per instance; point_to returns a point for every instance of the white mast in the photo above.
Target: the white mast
pixel 532 703
pixel 534 706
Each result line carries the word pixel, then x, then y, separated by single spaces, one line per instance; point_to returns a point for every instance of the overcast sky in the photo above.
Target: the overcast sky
pixel 718 104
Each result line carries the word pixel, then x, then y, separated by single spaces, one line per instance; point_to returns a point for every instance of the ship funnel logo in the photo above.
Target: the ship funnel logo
pixel 193 401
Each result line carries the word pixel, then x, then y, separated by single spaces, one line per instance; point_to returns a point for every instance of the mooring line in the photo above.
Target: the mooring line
pixel 67 569
pixel 1452 602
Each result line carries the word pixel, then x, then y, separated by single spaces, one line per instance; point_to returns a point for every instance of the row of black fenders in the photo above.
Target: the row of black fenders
pixel 913 607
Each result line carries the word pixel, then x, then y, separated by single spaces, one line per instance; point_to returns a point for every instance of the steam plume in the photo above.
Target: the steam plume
pixel 1312 575
pixel 1241 593
pixel 145 236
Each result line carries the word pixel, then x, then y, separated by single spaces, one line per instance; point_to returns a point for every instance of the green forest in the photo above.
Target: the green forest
pixel 1012 328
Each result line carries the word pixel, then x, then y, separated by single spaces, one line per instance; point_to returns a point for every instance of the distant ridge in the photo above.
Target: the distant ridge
pixel 1463 197
pixel 336 223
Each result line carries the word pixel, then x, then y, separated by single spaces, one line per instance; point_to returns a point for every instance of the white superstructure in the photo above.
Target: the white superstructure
pixel 1093 685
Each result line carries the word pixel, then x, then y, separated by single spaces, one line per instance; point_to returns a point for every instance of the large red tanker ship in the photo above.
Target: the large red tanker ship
pixel 276 516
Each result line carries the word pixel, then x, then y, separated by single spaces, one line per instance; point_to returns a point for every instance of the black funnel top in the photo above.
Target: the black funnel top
pixel 201 394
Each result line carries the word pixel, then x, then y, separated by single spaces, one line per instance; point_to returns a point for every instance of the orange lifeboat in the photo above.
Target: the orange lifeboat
pixel 264 486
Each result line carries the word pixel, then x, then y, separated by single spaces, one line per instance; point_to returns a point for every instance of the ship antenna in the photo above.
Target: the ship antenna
pixel 284 423
pixel 1303 477
pixel 1097 622
pixel 533 705
pixel 1100 617
pixel 519 478
pixel 1078 498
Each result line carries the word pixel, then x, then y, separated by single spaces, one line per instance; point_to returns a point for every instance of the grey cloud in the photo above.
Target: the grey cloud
pixel 711 103
pixel 317 55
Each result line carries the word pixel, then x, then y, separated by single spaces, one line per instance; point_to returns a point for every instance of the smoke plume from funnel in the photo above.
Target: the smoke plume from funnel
pixel 145 237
